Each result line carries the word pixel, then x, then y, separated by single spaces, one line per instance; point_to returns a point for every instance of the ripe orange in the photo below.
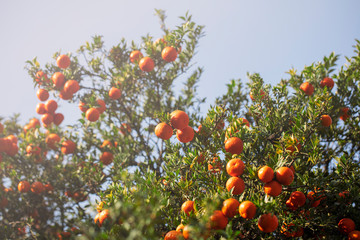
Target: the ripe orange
pixel 268 223
pixel 346 225
pixel 51 140
pixel 235 183
pixel 186 231
pixel 173 235
pixel 169 54
pixel 65 95
pixel 107 158
pixel 297 198
pixel 262 94
pixel 146 64
pixel 230 207
pixel 315 198
pixel 82 106
pixel 185 135
pixel 37 187
pixel 266 174
pixel 58 118
pixel 244 121
pixel 104 214
pixel 102 107
pixel 51 106
pixel 63 61
pixel 218 220
pixel 285 176
pixel 290 205
pixel 344 113
pixel 179 119
pixel 273 188
pixel 114 93
pixel 354 235
pixel 328 82
pixel 187 207
pixel 247 210
pixel 58 79
pixel 48 187
pixel 163 131
pixel 42 94
pixel 92 114
pixel 235 167
pixel 41 77
pixel 47 119
pixel 34 122
pixel 307 88
pixel 135 56
pixel 234 145
pixel 68 147
pixel 326 120
pixel 71 87
pixel 24 186
pixel 40 109
pixel 292 148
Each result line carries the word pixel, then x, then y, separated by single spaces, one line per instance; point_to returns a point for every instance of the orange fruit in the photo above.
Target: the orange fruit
pixel 135 56
pixel 262 94
pixel 344 113
pixel 297 198
pixel 163 131
pixel 65 95
pixel 218 220
pixel 235 183
pixel 268 223
pixel 266 174
pixel 58 118
pixel 179 119
pixel 173 235
pixel 230 207
pixel 34 122
pixel 326 120
pixel 102 107
pixel 169 54
pixel 235 167
pixel 71 87
pixel 307 88
pixel 354 235
pixel 40 109
pixel 104 214
pixel 234 145
pixel 107 158
pixel 82 106
pixel 92 114
pixel 346 225
pixel 244 121
pixel 12 138
pixel 328 82
pixel 24 186
pixel 37 187
pixel 63 61
pixel 42 94
pixel 51 106
pixel 314 198
pixel 114 93
pixel 51 140
pixel 96 219
pixel 146 64
pixel 285 176
pixel 273 188
pixel 68 147
pixel 47 119
pixel 247 210
pixel 58 79
pixel 48 187
pixel 187 207
pixel 185 135
pixel 186 231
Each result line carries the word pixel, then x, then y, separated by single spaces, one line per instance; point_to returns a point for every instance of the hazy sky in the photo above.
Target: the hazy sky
pixel 265 36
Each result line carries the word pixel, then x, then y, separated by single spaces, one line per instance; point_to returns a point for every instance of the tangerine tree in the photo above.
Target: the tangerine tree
pixel 263 163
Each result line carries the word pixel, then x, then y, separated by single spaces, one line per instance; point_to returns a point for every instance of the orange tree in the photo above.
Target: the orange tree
pixel 263 163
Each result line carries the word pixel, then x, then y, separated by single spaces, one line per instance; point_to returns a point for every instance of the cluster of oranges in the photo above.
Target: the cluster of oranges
pixel 180 121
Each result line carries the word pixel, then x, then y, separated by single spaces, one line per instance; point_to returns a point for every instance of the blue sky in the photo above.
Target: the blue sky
pixel 262 36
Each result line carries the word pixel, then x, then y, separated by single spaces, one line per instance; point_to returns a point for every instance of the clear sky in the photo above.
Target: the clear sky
pixel 262 36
